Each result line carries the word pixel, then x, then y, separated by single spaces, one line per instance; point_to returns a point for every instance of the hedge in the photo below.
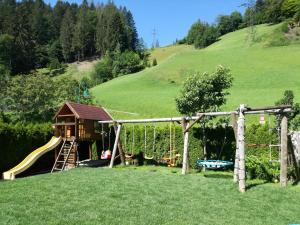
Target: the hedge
pixel 18 140
pixel 220 142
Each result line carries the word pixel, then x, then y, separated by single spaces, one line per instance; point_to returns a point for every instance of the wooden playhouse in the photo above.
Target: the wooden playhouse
pixel 78 125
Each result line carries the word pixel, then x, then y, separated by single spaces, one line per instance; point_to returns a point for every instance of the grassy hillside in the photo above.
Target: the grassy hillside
pixel 261 74
pixel 144 195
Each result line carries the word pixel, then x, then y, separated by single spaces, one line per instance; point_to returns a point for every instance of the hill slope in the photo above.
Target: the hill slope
pixel 261 74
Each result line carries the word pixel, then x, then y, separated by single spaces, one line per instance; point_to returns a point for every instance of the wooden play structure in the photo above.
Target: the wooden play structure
pixel 239 129
pixel 78 126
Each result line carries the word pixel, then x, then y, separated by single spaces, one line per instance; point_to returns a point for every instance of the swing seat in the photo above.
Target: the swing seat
pixel 214 164
pixel 148 158
pixel 129 156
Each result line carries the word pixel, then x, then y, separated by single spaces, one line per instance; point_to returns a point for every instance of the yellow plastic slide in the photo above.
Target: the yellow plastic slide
pixel 31 158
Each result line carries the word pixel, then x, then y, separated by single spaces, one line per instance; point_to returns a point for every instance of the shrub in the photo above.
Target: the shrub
pixel 154 62
pixel 126 63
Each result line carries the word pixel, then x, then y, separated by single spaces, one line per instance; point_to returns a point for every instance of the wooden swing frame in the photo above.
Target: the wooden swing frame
pixel 238 117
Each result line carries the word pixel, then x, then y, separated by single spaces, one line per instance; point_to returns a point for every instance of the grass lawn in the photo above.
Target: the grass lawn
pixel 261 74
pixel 147 195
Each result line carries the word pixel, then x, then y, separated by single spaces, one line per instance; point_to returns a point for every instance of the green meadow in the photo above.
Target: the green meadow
pixel 261 74
pixel 144 195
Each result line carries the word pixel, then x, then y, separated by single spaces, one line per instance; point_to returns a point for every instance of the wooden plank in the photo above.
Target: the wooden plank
pixel 120 147
pixel 274 110
pixel 115 146
pixel 292 153
pixel 236 160
pixel 241 148
pixel 185 160
pixel 66 115
pixel 284 151
pixel 194 122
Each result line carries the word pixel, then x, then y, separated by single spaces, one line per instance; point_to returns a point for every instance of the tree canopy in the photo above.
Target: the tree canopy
pixel 204 92
pixel 35 34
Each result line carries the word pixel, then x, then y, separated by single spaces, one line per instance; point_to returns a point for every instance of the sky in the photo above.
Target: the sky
pixel 171 19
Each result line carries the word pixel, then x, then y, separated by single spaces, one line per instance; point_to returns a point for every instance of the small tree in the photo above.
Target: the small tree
pixel 294 117
pixel 204 92
pixel 154 62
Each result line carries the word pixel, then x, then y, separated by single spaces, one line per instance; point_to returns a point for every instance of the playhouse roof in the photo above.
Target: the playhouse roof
pixel 87 112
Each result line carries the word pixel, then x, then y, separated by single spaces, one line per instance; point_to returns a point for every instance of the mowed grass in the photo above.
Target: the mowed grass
pixel 147 195
pixel 261 74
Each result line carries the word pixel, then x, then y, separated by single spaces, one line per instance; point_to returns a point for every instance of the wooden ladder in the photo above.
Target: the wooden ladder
pixel 66 155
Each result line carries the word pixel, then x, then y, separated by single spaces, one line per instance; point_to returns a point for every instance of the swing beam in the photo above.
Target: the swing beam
pixel 239 129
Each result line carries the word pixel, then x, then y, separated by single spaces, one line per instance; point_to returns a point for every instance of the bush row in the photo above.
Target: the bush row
pixel 18 140
pixel 220 145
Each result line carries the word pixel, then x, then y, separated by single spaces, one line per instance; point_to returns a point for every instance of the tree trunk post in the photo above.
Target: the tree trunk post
pixel 284 151
pixel 236 160
pixel 121 152
pixel 185 161
pixel 115 146
pixel 241 150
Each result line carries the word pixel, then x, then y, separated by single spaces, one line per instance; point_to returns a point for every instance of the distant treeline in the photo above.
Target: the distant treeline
pixel 35 35
pixel 202 34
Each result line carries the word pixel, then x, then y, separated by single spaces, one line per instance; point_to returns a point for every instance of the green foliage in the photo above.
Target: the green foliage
pixel 102 71
pixel 18 140
pixel 66 35
pixel 229 23
pixel 262 168
pixel 204 92
pixel 197 29
pixel 218 146
pixel 33 34
pixel 126 63
pixel 293 118
pixel 6 50
pixel 117 64
pixel 25 102
pixel 290 8
pixel 154 62
pixel 209 36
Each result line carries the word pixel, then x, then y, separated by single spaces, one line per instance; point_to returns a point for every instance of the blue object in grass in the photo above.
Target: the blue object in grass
pixel 214 164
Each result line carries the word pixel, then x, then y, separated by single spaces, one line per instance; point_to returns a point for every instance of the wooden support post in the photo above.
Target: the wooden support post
pixel 294 160
pixel 90 151
pixel 121 152
pixel 241 150
pixel 284 151
pixel 185 161
pixel 115 146
pixel 236 160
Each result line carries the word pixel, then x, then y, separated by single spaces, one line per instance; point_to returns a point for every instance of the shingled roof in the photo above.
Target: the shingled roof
pixel 87 112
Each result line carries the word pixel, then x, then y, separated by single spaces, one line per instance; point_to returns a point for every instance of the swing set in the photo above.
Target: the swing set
pixel 239 130
pixel 169 157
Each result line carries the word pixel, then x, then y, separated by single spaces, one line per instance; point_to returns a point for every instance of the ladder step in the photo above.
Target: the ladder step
pixel 57 169
pixel 274 145
pixel 60 161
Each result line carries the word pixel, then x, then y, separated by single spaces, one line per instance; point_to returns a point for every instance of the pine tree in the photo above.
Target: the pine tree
pixel 131 32
pixel 80 32
pixel 101 33
pixel 66 35
pixel 116 33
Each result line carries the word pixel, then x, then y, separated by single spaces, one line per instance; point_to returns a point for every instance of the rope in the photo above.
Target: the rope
pixel 109 135
pixel 125 138
pixel 224 141
pixel 102 137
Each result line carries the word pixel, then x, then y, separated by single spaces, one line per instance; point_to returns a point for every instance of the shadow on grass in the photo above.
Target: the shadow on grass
pixel 254 184
pixel 218 175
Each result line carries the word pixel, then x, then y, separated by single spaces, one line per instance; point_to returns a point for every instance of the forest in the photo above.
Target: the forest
pixel 35 35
